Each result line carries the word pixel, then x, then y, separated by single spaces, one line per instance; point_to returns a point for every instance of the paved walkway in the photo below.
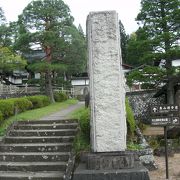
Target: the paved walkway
pixel 62 114
pixel 153 131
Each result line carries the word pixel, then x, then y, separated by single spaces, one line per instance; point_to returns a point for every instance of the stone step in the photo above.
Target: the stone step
pixel 65 121
pixel 34 156
pixel 39 147
pixel 39 139
pixel 45 126
pixel 33 166
pixel 50 175
pixel 59 132
pixel 37 150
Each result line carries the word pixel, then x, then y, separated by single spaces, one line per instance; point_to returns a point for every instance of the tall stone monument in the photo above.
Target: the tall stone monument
pixel 107 93
pixel 109 159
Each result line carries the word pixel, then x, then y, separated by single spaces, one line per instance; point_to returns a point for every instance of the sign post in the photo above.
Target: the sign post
pixel 166 152
pixel 165 115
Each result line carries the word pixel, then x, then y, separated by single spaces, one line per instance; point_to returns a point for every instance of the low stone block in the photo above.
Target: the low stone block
pixel 136 173
pixel 107 161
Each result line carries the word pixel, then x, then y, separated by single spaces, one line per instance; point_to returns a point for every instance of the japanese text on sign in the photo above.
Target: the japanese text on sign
pixel 164 121
pixel 164 109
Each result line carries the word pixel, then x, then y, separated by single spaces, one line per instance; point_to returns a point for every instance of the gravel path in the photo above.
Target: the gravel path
pixel 174 168
pixel 63 113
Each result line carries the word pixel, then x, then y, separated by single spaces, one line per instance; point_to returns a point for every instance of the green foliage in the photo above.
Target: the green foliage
pixel 160 20
pixel 84 121
pixel 133 146
pixel 124 40
pixel 142 126
pixel 154 143
pixel 150 76
pixel 49 24
pixel 43 66
pixel 60 96
pixel 7 107
pixel 131 124
pixel 35 114
pixel 5 33
pixel 138 48
pixel 39 101
pixel 22 104
pixel 82 140
pixel 1 117
pixel 81 143
pixel 76 53
pixel 2 17
pixel 10 61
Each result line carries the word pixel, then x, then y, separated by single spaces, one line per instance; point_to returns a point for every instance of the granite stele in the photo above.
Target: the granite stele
pixel 108 159
pixel 107 93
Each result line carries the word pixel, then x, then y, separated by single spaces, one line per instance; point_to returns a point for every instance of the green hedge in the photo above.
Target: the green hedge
pixel 22 104
pixel 9 106
pixel 39 101
pixel 60 96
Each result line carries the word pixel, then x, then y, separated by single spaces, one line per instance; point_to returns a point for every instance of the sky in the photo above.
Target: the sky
pixel 127 10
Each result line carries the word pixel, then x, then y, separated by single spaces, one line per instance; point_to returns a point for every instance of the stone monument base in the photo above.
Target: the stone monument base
pixel 110 166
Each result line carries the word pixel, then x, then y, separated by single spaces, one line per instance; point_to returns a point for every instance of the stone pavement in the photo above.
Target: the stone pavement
pixel 64 112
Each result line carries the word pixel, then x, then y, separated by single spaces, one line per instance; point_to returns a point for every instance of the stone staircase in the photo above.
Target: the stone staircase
pixel 37 150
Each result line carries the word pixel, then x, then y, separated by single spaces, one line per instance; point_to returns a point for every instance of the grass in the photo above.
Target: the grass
pixel 82 139
pixel 76 114
pixel 36 114
pixel 133 146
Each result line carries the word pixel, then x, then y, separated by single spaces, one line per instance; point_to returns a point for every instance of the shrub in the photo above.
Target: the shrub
pixel 22 104
pixel 39 101
pixel 45 100
pixel 153 142
pixel 133 146
pixel 7 107
pixel 1 117
pixel 142 126
pixel 60 96
pixel 84 122
pixel 131 125
pixel 82 140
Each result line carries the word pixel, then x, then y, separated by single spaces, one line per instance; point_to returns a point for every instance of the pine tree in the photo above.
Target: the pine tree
pixel 48 25
pixel 160 19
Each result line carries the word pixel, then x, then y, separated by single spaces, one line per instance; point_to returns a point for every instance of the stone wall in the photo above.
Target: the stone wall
pixel 141 101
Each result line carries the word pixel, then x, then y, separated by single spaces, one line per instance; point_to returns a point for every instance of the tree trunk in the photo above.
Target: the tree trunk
pixel 48 86
pixel 170 92
pixel 48 77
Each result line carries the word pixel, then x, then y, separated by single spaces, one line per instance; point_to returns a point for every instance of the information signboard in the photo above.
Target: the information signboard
pixel 165 121
pixel 165 115
pixel 164 109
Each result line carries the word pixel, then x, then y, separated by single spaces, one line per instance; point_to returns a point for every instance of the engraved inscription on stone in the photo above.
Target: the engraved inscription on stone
pixel 107 93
